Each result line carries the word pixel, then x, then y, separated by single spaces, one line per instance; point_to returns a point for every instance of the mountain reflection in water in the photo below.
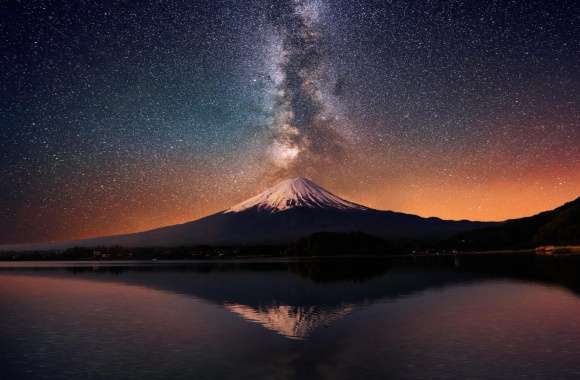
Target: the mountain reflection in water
pixel 293 299
pixel 326 319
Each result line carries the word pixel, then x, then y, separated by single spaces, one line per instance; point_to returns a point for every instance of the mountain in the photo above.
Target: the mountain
pixel 560 226
pixel 292 193
pixel 292 209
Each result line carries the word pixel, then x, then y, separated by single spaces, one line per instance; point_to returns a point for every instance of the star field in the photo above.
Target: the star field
pixel 120 116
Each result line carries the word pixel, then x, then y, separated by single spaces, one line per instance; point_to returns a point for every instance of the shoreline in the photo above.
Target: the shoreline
pixel 552 251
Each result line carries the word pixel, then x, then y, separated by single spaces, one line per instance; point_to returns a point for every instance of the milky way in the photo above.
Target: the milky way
pixel 118 116
pixel 306 137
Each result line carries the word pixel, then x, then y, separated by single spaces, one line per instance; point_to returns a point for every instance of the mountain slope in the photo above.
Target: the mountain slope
pixel 253 226
pixel 560 226
pixel 288 211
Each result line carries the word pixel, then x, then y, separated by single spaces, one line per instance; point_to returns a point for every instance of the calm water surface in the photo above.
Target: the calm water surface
pixel 282 320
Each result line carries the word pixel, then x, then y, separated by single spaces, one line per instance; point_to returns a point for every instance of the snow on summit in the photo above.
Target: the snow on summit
pixel 295 192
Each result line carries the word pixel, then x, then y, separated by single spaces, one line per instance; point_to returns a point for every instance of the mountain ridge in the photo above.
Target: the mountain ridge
pixel 560 226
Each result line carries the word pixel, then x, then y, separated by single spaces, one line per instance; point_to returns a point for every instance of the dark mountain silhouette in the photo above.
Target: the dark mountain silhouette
pixel 560 226
pixel 291 210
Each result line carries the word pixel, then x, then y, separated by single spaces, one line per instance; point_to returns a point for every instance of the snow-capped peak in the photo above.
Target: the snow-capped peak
pixel 295 192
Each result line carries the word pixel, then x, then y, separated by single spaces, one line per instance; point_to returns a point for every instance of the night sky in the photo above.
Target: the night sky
pixel 120 116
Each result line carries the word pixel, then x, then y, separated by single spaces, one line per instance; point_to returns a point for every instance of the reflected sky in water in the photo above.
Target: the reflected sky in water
pixel 296 320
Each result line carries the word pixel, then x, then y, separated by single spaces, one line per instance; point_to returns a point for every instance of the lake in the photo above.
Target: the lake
pixel 297 319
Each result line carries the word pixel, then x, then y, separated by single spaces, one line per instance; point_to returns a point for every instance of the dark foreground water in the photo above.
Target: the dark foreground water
pixel 273 320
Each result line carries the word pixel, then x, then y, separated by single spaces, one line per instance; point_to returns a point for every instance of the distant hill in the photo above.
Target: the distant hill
pixel 560 226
